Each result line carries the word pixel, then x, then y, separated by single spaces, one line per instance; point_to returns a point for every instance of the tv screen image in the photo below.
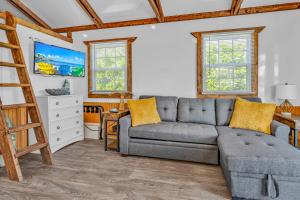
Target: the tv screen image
pixel 53 60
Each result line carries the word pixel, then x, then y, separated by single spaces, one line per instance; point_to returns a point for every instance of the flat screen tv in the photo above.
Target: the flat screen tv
pixel 54 60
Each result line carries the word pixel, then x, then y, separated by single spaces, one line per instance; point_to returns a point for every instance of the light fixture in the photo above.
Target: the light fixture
pixel 286 92
pixel 153 27
pixel 84 35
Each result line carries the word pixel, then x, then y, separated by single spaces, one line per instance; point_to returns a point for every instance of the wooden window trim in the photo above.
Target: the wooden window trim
pixel 128 95
pixel 254 71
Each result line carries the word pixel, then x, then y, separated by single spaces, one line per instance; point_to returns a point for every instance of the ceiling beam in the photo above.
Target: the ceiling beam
pixel 24 9
pixel 88 9
pixel 236 6
pixel 38 28
pixel 233 4
pixel 157 9
pixel 187 17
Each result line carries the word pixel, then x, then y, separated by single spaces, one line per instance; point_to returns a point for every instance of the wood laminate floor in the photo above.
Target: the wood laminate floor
pixel 85 171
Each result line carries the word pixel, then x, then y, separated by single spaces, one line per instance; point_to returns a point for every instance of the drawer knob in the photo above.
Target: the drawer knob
pixel 58 127
pixel 77 132
pixel 57 139
pixel 77 101
pixel 57 115
pixel 77 122
pixel 77 111
pixel 57 103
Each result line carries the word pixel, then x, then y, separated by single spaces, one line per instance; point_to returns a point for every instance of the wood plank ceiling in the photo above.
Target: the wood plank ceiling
pixel 158 10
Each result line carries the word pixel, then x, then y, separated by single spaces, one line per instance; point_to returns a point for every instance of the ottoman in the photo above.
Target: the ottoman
pixel 259 166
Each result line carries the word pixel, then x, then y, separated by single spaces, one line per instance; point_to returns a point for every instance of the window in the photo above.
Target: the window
pixel 110 67
pixel 227 62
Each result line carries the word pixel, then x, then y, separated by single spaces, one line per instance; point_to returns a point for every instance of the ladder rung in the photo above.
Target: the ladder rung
pixel 8 45
pixel 30 149
pixel 14 106
pixel 7 64
pixel 7 28
pixel 23 127
pixel 14 85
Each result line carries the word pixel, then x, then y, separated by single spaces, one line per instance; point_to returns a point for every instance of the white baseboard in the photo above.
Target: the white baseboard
pixel 91 130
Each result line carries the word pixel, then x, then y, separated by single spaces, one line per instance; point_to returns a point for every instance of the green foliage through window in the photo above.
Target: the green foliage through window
pixel 227 63
pixel 110 66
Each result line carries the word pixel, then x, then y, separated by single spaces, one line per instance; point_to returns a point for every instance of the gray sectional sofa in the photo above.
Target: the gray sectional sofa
pixel 255 165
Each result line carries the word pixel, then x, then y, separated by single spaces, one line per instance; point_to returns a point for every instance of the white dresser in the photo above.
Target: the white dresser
pixel 63 120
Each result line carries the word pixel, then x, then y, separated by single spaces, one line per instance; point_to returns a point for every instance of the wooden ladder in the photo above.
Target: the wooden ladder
pixel 10 155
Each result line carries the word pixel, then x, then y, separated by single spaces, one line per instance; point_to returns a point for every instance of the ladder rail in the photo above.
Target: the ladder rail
pixel 28 92
pixel 8 151
pixel 3 125
pixel 6 145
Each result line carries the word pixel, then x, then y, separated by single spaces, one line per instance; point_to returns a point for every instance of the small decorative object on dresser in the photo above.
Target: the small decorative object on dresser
pixel 64 90
pixel 63 119
pixel 286 92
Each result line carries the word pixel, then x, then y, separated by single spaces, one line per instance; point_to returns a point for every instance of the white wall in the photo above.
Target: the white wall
pixel 39 82
pixel 164 59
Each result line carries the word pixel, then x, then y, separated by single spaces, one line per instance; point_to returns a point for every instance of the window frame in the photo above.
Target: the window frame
pixel 128 93
pixel 254 65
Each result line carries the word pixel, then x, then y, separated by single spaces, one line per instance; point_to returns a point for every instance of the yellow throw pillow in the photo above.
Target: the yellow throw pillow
pixel 143 111
pixel 252 115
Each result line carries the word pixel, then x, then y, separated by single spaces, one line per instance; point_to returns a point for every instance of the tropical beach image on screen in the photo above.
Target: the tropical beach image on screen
pixel 53 60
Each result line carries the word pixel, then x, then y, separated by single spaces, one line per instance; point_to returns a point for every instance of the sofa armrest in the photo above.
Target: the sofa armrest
pixel 125 124
pixel 280 130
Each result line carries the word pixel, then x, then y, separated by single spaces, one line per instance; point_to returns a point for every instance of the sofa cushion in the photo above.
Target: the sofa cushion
pixel 224 109
pixel 166 107
pixel 252 115
pixel 193 110
pixel 176 132
pixel 143 111
pixel 227 130
pixel 257 153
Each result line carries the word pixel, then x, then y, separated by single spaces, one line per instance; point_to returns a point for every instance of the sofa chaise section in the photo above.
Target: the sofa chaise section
pixel 259 166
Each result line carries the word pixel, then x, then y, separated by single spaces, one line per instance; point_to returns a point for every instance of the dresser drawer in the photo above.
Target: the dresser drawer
pixel 64 136
pixel 58 103
pixel 57 126
pixel 55 115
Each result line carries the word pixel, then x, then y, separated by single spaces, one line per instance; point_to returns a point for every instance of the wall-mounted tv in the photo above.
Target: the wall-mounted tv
pixel 54 60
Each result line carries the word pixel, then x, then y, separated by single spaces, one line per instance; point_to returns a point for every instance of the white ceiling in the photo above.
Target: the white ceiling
pixel 5 6
pixel 122 10
pixel 65 13
pixel 58 13
pixel 178 7
pixel 253 3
